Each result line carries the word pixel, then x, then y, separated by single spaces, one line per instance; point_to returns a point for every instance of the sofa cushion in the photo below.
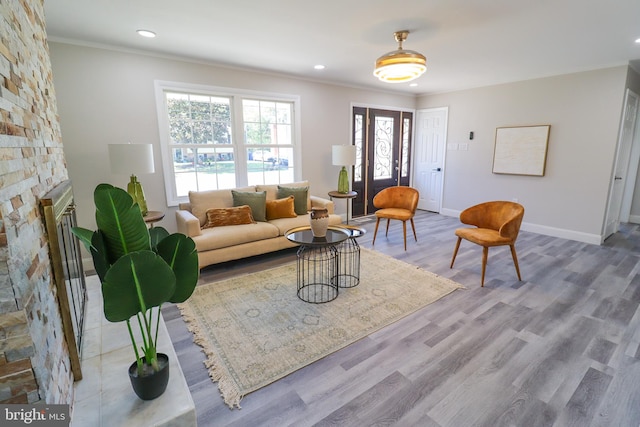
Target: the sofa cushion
pixel 257 200
pixel 300 195
pixel 232 235
pixel 217 217
pixel 272 190
pixel 281 208
pixel 200 201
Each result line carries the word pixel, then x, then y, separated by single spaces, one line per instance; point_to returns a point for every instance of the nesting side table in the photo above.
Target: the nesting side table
pixel 318 261
pixel 349 258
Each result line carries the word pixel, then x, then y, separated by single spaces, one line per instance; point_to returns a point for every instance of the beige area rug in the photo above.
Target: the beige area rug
pixel 254 330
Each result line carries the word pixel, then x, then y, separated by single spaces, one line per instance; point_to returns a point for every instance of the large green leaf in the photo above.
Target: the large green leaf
pixel 84 236
pixel 120 221
pixel 135 283
pixel 99 254
pixel 157 234
pixel 179 251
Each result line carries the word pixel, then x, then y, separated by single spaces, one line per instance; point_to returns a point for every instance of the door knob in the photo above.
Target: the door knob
pixel 437 169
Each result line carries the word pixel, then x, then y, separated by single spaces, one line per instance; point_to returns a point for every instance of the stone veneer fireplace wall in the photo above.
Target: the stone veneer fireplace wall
pixel 34 361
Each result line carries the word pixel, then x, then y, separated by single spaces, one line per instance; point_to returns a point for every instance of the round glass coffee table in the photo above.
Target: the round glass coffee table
pixel 317 267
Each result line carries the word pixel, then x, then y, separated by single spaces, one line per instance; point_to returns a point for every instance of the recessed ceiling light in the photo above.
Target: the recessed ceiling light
pixel 319 67
pixel 146 33
pixel 638 41
pixel 413 84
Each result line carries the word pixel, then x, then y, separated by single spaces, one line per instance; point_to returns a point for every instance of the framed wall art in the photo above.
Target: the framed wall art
pixel 521 150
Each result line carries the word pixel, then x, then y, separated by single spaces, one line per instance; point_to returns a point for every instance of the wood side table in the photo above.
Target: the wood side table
pixel 347 196
pixel 152 217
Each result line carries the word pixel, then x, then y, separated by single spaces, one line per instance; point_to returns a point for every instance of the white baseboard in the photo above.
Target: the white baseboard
pixel 634 219
pixel 594 239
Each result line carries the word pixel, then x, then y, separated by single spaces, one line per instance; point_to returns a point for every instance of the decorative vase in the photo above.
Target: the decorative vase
pixel 134 188
pixel 319 219
pixel 153 384
pixel 343 181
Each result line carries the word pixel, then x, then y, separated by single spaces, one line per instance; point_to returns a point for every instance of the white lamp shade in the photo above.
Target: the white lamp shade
pixel 131 159
pixel 343 155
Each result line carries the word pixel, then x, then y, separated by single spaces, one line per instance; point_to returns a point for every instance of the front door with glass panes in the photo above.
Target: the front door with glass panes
pixel 383 146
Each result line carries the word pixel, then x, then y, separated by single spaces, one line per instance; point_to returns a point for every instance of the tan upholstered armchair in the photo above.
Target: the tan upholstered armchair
pixel 396 203
pixel 497 224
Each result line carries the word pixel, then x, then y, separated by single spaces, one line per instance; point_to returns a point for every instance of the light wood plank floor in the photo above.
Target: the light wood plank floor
pixel 560 348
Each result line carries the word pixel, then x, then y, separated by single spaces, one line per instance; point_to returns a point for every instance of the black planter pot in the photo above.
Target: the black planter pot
pixel 150 386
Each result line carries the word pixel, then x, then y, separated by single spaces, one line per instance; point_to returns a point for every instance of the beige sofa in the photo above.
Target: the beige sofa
pixel 229 242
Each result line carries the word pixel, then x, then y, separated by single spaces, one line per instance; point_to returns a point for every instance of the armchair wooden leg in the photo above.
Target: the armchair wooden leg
pixel 387 232
pixel 404 233
pixel 413 227
pixel 455 252
pixel 515 260
pixel 375 233
pixel 485 255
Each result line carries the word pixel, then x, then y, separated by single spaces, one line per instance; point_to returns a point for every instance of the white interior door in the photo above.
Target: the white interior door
pixel 612 221
pixel 632 174
pixel 428 159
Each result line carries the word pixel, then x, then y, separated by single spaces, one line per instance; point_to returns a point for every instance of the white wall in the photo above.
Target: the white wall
pixel 583 110
pixel 107 97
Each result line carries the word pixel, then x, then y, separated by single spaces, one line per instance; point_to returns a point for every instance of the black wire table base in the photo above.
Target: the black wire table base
pixel 317 271
pixel 348 264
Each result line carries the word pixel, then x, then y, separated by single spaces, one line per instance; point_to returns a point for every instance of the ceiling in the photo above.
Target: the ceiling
pixel 467 43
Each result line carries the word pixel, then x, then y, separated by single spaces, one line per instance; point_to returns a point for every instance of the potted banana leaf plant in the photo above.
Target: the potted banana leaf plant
pixel 140 268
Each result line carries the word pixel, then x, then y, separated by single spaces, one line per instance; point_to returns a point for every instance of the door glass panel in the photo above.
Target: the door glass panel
pixel 358 138
pixel 406 128
pixel 383 148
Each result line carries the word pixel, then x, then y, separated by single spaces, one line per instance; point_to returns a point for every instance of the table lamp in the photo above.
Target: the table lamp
pixel 132 159
pixel 343 155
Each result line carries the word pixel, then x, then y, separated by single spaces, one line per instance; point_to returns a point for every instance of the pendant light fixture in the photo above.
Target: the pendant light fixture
pixel 400 65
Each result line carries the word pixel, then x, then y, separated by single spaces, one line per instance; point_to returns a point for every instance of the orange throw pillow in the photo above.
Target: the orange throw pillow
pixel 281 208
pixel 217 217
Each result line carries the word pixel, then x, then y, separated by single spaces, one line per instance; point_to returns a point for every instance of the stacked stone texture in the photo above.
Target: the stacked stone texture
pixel 34 361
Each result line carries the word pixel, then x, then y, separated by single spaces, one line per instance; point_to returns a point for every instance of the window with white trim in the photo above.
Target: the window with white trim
pixel 218 138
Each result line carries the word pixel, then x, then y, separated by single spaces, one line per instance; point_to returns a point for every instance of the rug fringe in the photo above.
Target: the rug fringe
pixel 228 389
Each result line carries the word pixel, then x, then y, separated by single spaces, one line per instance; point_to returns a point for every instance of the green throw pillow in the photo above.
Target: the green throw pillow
pixel 256 200
pixel 300 197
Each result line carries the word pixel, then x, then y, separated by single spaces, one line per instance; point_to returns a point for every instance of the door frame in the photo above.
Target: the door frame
pixel 611 225
pixel 632 175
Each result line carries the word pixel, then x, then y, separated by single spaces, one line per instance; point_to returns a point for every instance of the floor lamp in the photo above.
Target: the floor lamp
pixel 343 155
pixel 132 159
